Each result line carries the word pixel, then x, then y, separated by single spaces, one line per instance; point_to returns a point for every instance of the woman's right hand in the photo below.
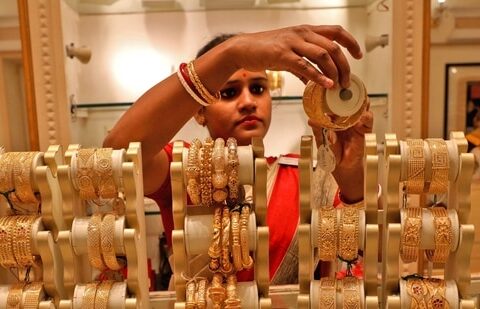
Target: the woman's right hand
pixel 287 50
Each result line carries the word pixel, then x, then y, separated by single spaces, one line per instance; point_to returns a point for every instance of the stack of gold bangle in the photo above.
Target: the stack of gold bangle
pixel 351 292
pixel 7 257
pixel 86 174
pixel 216 291
pixel 247 261
pixel 195 297
pixel 104 170
pixel 219 178
pixel 206 172
pixel 348 234
pixel 233 164
pixel 415 166
pixel 440 165
pixel 412 229
pixel 107 232
pixel 215 250
pixel 88 299
pixel 22 240
pixel 443 236
pixel 225 263
pixel 328 293
pixel 193 172
pixel 236 247
pixel 327 233
pixel 94 242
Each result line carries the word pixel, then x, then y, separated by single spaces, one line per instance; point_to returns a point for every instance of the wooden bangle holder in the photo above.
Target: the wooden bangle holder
pixel 457 268
pixel 192 224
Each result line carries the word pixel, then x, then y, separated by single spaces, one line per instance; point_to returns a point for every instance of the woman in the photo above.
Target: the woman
pixel 235 66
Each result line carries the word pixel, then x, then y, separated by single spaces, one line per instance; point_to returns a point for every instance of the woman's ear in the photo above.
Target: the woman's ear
pixel 200 117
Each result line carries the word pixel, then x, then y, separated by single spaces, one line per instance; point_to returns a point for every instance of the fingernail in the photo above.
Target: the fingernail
pixel 328 83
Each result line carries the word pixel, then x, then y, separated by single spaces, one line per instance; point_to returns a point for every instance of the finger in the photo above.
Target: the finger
pixel 343 37
pixel 321 57
pixel 365 124
pixel 305 70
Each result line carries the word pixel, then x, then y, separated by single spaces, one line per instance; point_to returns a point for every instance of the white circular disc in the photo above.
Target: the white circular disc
pixel 346 107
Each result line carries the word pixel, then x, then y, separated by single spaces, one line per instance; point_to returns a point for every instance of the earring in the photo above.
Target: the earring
pixel 201 120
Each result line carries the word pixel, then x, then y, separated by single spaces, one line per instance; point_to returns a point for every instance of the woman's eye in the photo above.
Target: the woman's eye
pixel 228 93
pixel 257 89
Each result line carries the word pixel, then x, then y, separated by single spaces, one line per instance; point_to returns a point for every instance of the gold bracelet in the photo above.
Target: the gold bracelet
pixel 328 293
pixel 436 288
pixel 102 295
pixel 107 232
pixel 232 301
pixel 104 170
pixel 22 179
pixel 201 294
pixel 204 93
pixel 236 247
pixel 215 250
pixel 190 302
pixel 351 292
pixel 417 291
pixel 443 236
pixel 33 294
pixel 89 295
pixel 233 164
pixel 216 291
pixel 193 172
pixel 440 165
pixel 86 174
pixel 94 242
pixel 411 232
pixel 6 172
pixel 327 233
pixel 7 230
pixel 415 166
pixel 348 234
pixel 247 261
pixel 22 240
pixel 225 264
pixel 15 294
pixel 206 172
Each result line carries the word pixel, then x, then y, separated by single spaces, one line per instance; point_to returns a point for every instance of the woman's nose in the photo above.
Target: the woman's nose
pixel 247 101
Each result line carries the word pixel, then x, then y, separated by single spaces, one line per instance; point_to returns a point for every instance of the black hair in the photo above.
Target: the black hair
pixel 217 40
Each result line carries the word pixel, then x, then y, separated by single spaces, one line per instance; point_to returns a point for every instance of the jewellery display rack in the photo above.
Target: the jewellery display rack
pixel 129 237
pixel 40 177
pixel 368 237
pixel 193 226
pixel 457 267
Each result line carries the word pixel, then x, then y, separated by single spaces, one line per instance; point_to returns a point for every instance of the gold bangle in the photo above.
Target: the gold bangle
pixel 102 294
pixel 232 301
pixel 15 294
pixel 348 234
pixel 411 232
pixel 190 302
pixel 351 292
pixel 201 294
pixel 104 170
pixel 86 174
pixel 327 233
pixel 436 288
pixel 89 295
pixel 193 172
pixel 233 164
pixel 7 230
pixel 440 165
pixel 22 240
pixel 219 178
pixel 22 179
pixel 94 242
pixel 417 291
pixel 216 291
pixel 415 166
pixel 443 236
pixel 328 293
pixel 236 247
pixel 225 264
pixel 360 205
pixel 247 261
pixel 204 93
pixel 206 172
pixel 6 172
pixel 107 232
pixel 215 250
pixel 33 294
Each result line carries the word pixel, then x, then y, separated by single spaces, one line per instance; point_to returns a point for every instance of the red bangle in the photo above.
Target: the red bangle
pixel 184 71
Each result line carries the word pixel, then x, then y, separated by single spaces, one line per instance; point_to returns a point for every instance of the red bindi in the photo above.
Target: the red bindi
pixel 244 74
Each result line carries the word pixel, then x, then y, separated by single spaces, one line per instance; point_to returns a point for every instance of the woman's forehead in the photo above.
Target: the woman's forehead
pixel 243 74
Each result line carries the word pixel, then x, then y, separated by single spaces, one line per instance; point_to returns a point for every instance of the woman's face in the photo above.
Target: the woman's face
pixel 244 110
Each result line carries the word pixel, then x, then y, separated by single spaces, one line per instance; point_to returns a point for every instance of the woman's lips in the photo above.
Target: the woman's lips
pixel 249 121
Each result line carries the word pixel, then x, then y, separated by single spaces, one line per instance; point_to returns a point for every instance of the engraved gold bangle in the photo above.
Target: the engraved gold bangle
pixel 417 291
pixel 94 242
pixel 190 302
pixel 219 177
pixel 411 232
pixel 202 294
pixel 22 240
pixel 225 264
pixel 216 291
pixel 206 172
pixel 86 174
pixel 193 172
pixel 107 232
pixel 22 178
pixel 88 299
pixel 6 172
pixel 15 294
pixel 443 236
pixel 247 261
pixel 328 293
pixel 351 292
pixel 232 301
pixel 436 288
pixel 7 227
pixel 233 164
pixel 204 93
pixel 33 294
pixel 104 170
pixel 348 234
pixel 415 166
pixel 236 247
pixel 215 250
pixel 102 295
pixel 440 165
pixel 327 233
